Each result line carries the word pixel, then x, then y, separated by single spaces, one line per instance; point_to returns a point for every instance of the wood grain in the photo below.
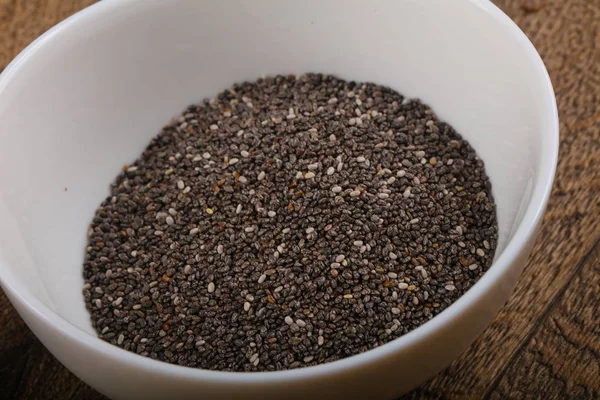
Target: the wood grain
pixel 564 353
pixel 545 341
pixel 21 21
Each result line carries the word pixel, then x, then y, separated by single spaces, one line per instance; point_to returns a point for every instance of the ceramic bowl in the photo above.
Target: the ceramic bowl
pixel 87 96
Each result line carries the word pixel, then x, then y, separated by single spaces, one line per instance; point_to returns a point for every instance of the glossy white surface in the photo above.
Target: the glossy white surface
pixel 86 98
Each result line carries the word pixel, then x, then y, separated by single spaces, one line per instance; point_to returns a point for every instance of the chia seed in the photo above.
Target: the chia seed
pixel 288 222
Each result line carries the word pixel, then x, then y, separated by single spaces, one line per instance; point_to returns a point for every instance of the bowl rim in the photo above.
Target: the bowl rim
pixel 526 229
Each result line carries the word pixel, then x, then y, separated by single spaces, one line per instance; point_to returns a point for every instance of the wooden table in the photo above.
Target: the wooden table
pixel 545 343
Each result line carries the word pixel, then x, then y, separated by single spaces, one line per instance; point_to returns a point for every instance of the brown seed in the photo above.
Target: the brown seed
pixel 270 199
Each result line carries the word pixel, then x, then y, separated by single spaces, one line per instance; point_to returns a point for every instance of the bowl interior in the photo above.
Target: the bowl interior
pixel 87 98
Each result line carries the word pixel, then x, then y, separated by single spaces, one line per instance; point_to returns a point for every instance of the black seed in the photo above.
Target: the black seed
pixel 274 227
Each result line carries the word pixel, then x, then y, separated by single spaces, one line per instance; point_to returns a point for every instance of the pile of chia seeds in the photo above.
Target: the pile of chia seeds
pixel 288 222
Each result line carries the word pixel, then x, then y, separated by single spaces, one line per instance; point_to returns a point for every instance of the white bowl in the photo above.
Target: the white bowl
pixel 87 96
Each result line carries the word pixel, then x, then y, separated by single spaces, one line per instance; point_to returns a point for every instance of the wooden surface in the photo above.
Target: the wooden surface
pixel 545 343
